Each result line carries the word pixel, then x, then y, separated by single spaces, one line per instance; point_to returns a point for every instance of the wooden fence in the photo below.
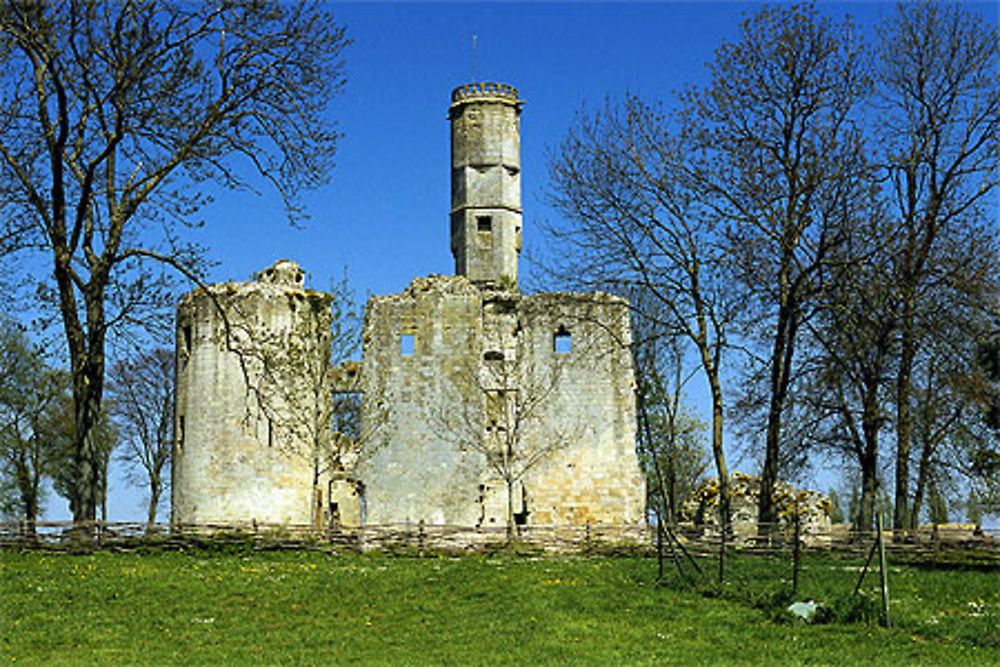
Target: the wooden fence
pixel 927 542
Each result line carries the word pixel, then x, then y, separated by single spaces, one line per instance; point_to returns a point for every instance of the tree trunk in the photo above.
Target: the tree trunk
pixel 900 515
pixel 865 521
pixel 646 432
pixel 781 360
pixel 154 500
pixel 510 507
pixel 84 499
pixel 718 453
pixel 31 512
pixel 923 477
pixel 88 385
pixel 27 478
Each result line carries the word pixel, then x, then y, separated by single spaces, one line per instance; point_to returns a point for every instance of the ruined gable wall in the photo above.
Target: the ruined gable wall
pixel 593 476
pixel 414 468
pixel 577 409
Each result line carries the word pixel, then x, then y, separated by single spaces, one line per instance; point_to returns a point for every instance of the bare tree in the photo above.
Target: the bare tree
pixel 635 224
pixel 495 409
pixel 671 440
pixel 779 160
pixel 141 393
pixel 29 392
pixel 939 105
pixel 114 116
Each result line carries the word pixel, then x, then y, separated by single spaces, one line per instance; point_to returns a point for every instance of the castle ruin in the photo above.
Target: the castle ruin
pixel 480 406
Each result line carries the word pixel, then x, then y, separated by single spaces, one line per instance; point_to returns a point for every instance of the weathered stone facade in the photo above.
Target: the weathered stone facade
pixel 481 406
pixel 486 182
pixel 490 393
pixel 250 400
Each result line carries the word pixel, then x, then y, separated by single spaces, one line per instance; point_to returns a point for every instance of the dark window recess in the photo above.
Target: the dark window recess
pixel 180 432
pixel 407 344
pixel 186 338
pixel 521 518
pixel 484 223
pixel 270 432
pixel 493 355
pixel 562 342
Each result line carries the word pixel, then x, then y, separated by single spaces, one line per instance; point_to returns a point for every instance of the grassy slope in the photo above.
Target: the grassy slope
pixel 312 608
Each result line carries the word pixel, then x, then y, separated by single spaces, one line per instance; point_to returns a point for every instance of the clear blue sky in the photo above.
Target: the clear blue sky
pixel 385 214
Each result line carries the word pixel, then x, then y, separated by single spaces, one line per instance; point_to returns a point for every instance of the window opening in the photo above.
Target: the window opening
pixel 493 355
pixel 484 223
pixel 521 518
pixel 562 342
pixel 180 432
pixel 406 345
pixel 186 337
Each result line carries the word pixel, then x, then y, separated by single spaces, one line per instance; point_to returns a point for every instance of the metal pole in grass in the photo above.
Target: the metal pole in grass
pixel 883 574
pixel 864 570
pixel 675 545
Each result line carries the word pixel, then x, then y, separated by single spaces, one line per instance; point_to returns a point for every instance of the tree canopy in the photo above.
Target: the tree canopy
pixel 115 117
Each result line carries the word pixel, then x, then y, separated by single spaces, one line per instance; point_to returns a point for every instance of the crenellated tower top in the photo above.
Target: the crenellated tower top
pixel 485 91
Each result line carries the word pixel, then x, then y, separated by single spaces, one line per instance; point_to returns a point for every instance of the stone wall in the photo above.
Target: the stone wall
pixel 415 346
pixel 251 399
pixel 812 508
pixel 593 475
pixel 481 409
pixel 486 182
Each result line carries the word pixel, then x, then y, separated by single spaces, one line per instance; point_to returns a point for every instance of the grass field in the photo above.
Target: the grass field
pixel 311 608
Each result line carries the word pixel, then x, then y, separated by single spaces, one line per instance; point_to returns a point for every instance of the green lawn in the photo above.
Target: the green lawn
pixel 313 608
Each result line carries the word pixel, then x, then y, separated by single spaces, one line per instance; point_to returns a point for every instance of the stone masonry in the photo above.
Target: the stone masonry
pixel 480 406
pixel 248 384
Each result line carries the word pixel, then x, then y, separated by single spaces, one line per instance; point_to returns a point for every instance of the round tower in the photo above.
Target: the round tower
pixel 251 405
pixel 486 182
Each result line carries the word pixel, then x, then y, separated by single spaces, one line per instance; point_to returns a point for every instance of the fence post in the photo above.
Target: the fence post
pixel 883 574
pixel 723 524
pixel 796 550
pixel 659 547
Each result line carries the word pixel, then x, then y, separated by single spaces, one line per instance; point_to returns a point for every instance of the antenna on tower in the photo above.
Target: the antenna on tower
pixel 472 68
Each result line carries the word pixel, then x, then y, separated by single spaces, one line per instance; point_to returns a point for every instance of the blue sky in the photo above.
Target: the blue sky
pixel 385 213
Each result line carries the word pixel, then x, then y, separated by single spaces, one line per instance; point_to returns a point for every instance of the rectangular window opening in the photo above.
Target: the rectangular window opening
pixel 186 338
pixel 484 223
pixel 180 433
pixel 562 342
pixel 407 345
